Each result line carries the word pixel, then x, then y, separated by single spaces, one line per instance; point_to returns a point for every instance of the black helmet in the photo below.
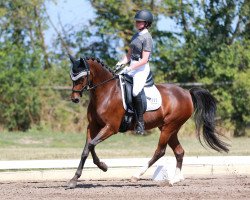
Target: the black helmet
pixel 144 15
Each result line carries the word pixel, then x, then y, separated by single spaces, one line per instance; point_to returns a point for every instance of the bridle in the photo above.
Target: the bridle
pixel 77 77
pixel 89 86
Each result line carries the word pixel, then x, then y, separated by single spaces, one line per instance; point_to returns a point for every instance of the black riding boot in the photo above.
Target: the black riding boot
pixel 138 109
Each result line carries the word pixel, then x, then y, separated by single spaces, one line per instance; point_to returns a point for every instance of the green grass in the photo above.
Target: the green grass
pixel 46 145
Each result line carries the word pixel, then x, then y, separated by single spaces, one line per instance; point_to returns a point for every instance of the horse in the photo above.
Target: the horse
pixel 105 113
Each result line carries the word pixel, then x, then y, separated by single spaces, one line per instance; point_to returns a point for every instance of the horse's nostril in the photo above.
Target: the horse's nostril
pixel 76 100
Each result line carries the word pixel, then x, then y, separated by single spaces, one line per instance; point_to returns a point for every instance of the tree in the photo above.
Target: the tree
pixel 22 57
pixel 213 48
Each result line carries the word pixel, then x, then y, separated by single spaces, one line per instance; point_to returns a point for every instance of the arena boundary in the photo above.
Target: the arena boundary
pixel 124 168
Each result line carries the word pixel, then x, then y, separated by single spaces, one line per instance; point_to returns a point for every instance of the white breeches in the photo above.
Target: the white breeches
pixel 139 77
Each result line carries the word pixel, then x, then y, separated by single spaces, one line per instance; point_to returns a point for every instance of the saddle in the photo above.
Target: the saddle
pixel 128 90
pixel 126 83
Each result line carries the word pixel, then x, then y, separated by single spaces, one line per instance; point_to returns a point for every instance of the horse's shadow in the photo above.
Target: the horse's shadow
pixel 136 185
pixel 106 184
pixel 114 184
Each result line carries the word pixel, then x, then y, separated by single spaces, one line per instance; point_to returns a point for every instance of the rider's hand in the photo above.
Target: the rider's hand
pixel 118 66
pixel 125 70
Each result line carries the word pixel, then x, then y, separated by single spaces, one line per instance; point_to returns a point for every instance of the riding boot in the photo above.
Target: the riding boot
pixel 138 109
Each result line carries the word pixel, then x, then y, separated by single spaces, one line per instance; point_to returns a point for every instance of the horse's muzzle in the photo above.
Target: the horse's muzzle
pixel 75 99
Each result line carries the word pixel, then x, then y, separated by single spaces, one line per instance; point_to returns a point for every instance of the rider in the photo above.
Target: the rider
pixel 139 54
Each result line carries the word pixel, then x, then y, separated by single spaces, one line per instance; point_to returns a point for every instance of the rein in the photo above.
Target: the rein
pixel 95 86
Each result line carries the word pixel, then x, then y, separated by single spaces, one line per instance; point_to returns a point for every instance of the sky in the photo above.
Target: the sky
pixel 74 12
pixel 78 13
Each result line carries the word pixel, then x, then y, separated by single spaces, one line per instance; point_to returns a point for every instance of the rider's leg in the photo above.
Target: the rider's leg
pixel 138 109
pixel 139 80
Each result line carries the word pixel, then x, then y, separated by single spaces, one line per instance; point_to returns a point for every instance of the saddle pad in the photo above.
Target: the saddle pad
pixel 153 97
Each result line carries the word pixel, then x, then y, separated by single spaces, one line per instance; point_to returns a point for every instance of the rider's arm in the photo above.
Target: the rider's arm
pixel 143 61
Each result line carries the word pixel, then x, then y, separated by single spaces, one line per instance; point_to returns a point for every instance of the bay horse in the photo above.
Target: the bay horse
pixel 105 113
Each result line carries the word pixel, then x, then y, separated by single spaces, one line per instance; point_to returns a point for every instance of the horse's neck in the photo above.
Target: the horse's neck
pixel 101 80
pixel 99 73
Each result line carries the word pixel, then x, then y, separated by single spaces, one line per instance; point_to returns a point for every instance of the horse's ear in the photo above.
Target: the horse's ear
pixel 84 63
pixel 72 59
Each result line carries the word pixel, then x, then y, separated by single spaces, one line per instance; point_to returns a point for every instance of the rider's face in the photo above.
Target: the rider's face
pixel 139 24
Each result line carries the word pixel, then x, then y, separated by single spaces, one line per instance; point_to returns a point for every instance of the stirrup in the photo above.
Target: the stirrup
pixel 139 128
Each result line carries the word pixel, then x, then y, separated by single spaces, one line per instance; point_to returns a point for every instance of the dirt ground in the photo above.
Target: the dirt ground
pixel 203 187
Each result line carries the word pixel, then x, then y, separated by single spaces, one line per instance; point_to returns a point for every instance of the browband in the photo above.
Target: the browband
pixel 76 76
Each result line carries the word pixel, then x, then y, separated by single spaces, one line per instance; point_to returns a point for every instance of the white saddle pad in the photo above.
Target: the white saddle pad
pixel 153 97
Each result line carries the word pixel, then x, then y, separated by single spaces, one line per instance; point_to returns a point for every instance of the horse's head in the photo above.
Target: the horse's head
pixel 79 74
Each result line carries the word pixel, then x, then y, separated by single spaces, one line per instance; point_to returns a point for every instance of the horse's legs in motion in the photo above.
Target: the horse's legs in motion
pixel 104 133
pixel 85 153
pixel 166 132
pixel 179 154
pixel 97 161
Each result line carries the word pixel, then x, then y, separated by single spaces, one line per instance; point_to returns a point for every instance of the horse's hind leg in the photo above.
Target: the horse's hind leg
pixel 166 132
pixel 179 154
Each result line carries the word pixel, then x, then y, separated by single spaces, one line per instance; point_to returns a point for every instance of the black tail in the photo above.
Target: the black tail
pixel 204 116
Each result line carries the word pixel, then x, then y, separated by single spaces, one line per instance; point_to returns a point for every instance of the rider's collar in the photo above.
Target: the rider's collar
pixel 143 31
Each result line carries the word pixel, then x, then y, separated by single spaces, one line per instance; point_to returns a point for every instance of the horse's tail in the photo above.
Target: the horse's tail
pixel 204 116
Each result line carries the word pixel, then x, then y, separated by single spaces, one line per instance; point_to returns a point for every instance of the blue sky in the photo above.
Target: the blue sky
pixel 74 12
pixel 78 12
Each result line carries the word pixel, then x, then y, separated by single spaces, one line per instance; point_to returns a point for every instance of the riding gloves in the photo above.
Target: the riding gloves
pixel 125 70
pixel 118 67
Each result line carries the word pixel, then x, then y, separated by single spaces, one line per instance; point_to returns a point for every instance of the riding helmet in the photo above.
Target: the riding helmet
pixel 144 15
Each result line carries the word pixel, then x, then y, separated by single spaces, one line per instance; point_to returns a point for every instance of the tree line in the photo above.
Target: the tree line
pixel 210 44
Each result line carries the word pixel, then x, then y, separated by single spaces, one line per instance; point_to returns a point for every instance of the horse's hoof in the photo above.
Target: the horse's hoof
pixel 103 166
pixel 171 183
pixel 72 184
pixel 134 179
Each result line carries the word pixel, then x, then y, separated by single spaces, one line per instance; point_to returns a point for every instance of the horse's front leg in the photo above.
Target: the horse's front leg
pixel 85 153
pixel 103 134
pixel 97 161
pixel 91 130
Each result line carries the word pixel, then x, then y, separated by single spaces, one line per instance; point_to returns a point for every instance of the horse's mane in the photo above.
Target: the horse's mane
pixel 101 63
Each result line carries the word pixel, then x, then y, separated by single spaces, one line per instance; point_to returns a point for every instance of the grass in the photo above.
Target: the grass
pixel 46 145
